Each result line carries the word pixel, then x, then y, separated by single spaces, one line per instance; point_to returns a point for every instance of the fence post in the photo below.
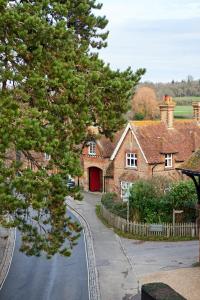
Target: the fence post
pixel 193 232
pixel 168 231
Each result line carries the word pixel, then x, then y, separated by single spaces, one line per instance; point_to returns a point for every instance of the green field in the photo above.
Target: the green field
pixel 186 100
pixel 184 111
pixel 183 107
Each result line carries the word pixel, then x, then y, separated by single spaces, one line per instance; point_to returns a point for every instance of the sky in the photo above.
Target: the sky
pixel 162 36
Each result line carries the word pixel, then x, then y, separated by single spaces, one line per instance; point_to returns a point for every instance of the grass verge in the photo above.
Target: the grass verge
pixel 196 264
pixel 138 237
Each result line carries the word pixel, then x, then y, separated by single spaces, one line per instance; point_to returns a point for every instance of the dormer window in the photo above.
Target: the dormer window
pixel 92 148
pixel 47 156
pixel 131 160
pixel 168 160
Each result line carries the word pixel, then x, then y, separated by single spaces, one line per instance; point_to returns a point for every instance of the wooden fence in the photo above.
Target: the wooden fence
pixel 144 229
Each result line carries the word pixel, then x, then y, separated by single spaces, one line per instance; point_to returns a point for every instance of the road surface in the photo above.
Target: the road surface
pixel 60 278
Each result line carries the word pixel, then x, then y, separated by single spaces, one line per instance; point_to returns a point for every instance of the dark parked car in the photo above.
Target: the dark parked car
pixel 70 183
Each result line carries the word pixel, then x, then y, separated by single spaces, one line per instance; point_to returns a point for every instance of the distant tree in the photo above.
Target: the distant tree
pixel 190 78
pixel 188 87
pixel 145 104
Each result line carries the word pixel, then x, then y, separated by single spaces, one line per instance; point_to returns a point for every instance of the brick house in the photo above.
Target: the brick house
pixel 30 159
pixel 143 149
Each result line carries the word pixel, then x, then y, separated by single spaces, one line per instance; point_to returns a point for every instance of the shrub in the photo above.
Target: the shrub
pixel 182 195
pixel 109 200
pixel 139 116
pixel 149 201
pixel 143 202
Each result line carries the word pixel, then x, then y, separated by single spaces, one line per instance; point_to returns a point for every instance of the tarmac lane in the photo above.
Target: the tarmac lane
pixel 37 278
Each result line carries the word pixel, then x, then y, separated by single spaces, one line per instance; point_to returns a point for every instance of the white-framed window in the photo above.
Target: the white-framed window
pixel 47 156
pixel 131 160
pixel 168 160
pixel 92 148
pixel 125 190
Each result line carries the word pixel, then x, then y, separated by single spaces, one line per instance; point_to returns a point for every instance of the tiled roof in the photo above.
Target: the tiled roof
pixel 107 146
pixel 110 170
pixel 156 139
pixel 144 122
pixel 193 163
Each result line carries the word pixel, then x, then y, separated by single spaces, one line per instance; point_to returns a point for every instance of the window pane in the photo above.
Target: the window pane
pixel 92 148
pixel 131 159
pixel 168 160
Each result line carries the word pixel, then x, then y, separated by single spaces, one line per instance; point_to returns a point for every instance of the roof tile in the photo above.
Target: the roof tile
pixel 155 139
pixel 192 163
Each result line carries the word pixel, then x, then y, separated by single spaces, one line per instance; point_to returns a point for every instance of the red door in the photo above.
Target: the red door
pixel 95 179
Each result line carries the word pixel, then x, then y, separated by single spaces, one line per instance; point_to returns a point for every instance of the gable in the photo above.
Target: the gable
pixel 122 140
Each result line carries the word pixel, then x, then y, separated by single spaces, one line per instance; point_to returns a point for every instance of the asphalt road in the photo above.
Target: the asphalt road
pixel 60 278
pixel 149 257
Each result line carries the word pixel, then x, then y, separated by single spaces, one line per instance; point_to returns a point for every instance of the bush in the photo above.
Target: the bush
pixel 139 116
pixel 150 203
pixel 143 202
pixel 182 195
pixel 109 200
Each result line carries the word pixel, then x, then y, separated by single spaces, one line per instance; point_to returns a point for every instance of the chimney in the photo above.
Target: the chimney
pixel 167 111
pixel 196 111
pixel 195 141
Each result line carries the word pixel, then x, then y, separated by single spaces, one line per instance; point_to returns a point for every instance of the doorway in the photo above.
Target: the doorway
pixel 95 179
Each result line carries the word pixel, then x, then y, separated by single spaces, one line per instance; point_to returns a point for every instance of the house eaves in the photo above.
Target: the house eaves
pixel 133 133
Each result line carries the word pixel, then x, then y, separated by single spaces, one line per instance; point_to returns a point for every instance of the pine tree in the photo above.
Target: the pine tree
pixel 52 87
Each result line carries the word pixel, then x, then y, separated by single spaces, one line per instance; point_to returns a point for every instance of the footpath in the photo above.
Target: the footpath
pixel 117 279
pixel 124 265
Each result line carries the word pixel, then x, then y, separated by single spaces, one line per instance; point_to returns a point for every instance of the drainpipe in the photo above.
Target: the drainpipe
pixel 153 168
pixel 104 184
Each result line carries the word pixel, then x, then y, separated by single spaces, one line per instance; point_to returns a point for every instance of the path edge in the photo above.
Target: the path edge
pixel 8 256
pixel 93 282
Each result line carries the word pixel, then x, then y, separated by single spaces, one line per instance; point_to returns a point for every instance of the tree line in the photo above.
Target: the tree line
pixel 183 88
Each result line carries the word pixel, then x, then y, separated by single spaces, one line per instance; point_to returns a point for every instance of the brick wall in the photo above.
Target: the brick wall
pixel 129 145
